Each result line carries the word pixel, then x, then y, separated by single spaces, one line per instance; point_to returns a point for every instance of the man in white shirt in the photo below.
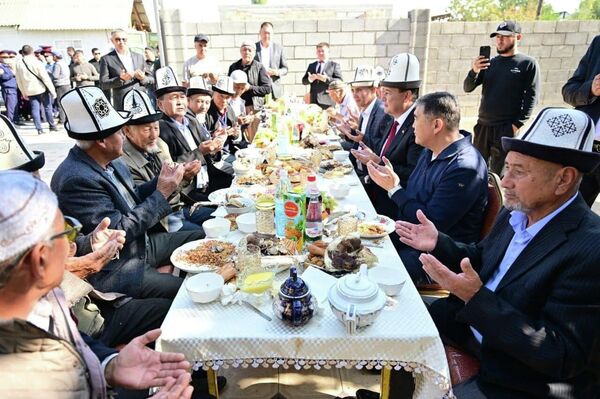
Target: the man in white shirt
pixel 201 64
pixel 270 54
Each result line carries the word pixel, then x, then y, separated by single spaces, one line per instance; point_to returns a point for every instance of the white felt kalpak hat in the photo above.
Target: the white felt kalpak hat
pixel 139 105
pixel 239 76
pixel 89 114
pixel 379 74
pixel 559 135
pixel 403 72
pixel 224 85
pixel 27 212
pixel 363 77
pixel 166 81
pixel 14 153
pixel 199 85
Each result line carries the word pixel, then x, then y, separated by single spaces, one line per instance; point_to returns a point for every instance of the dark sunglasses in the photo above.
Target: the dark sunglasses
pixel 72 228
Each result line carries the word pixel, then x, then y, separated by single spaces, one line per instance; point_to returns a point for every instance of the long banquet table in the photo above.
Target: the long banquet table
pixel 403 336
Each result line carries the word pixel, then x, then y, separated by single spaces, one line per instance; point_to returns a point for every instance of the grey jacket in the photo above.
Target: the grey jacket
pixel 61 75
pixel 277 62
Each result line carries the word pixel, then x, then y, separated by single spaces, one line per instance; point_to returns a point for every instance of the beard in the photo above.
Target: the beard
pixel 506 50
pixel 152 149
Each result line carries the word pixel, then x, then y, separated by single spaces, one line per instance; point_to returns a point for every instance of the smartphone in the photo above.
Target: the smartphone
pixel 485 51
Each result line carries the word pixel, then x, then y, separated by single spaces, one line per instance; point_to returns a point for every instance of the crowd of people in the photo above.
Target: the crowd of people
pixel 149 147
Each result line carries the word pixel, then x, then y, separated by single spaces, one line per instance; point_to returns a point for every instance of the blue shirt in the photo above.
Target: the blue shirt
pixel 7 79
pixel 450 189
pixel 522 238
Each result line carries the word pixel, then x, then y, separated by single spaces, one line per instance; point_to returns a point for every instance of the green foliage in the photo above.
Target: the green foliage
pixel 496 10
pixel 588 9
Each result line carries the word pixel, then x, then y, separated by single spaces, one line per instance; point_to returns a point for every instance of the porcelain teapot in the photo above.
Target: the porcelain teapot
pixel 355 300
pixel 294 304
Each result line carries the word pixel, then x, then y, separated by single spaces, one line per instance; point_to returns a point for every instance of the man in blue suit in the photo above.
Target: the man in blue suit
pixel 8 82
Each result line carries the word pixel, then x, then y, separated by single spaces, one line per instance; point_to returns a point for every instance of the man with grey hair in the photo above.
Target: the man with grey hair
pixel 449 182
pixel 41 350
pixel 122 70
pixel 93 183
pixel 259 82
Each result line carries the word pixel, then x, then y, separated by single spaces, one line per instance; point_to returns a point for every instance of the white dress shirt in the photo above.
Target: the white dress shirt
pixel 127 61
pixel 265 56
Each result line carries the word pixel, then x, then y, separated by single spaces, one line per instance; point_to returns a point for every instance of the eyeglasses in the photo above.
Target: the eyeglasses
pixel 120 39
pixel 72 228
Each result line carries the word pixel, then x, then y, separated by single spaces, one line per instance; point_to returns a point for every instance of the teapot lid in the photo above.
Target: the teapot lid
pixel 357 288
pixel 294 286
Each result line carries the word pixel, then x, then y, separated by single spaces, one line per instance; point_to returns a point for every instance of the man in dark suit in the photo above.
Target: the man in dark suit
pixel 397 142
pixel 525 300
pixel 270 55
pixel 319 74
pixel 122 70
pixel 582 91
pixel 183 137
pixel 92 183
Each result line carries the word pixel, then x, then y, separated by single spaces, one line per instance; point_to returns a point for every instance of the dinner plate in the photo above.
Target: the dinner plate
pixel 220 196
pixel 180 263
pixel 388 225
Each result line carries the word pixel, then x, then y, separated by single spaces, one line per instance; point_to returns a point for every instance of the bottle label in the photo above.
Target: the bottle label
pixel 291 209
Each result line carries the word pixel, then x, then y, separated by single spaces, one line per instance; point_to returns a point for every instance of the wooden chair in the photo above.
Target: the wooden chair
pixel 494 204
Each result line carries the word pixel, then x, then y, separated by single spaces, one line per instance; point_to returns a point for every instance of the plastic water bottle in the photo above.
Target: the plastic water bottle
pixel 314 217
pixel 283 187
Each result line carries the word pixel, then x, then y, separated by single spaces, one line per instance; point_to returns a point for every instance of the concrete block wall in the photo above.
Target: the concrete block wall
pixel 557 45
pixel 353 42
pixel 445 49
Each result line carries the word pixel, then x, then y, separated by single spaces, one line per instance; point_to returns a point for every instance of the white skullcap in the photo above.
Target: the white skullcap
pixel 27 212
pixel 239 76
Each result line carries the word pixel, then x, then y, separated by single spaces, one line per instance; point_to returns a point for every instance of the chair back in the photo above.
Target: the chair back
pixel 495 202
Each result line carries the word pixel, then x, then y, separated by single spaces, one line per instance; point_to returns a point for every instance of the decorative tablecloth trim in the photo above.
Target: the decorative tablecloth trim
pixel 412 367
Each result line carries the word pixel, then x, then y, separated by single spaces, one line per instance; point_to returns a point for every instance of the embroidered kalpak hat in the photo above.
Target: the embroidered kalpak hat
pixel 27 213
pixel 199 85
pixel 379 73
pixel 138 104
pixel 363 76
pixel 89 114
pixel 14 153
pixel 166 82
pixel 559 135
pixel 224 85
pixel 403 72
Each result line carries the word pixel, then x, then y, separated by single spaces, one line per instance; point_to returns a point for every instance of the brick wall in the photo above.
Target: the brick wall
pixel 445 49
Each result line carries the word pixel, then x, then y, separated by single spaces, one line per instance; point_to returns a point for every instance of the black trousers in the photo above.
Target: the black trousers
pixel 488 140
pixel 158 251
pixel 131 319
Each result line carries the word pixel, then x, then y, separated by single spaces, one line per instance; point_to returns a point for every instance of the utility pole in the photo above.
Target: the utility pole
pixel 538 12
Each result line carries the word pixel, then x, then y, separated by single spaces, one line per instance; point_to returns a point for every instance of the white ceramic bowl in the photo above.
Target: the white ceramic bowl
pixel 339 191
pixel 241 169
pixel 204 287
pixel 341 155
pixel 216 227
pixel 248 206
pixel 388 279
pixel 246 222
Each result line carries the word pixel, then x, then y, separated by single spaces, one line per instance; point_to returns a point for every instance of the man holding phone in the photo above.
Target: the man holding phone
pixel 510 87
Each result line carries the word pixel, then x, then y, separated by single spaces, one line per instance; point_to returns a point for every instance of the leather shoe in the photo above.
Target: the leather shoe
pixel 366 394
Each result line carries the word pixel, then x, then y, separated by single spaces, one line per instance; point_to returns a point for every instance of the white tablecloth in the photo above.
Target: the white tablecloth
pixel 234 336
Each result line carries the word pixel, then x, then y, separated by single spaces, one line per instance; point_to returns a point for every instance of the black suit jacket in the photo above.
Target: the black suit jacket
pixel 403 154
pixel 181 152
pixel 578 89
pixel 110 70
pixel 541 327
pixel 277 62
pixel 318 89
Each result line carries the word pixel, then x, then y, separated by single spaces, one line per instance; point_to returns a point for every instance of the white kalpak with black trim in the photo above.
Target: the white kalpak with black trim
pixel 166 82
pixel 364 76
pixel 403 72
pixel 558 135
pixel 139 105
pixel 14 154
pixel 90 116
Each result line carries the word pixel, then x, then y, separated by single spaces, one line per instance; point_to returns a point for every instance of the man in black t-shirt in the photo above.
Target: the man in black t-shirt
pixel 510 87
